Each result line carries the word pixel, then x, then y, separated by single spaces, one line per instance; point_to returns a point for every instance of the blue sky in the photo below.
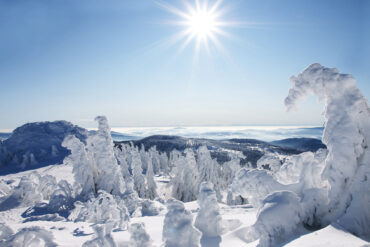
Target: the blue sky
pixel 76 59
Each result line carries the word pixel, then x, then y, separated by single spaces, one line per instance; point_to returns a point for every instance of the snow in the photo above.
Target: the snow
pixel 104 195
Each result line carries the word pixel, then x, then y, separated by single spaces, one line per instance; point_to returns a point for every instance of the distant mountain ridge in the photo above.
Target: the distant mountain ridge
pixel 251 148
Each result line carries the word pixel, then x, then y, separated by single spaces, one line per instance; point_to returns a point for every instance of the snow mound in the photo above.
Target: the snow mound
pixel 32 236
pixel 38 144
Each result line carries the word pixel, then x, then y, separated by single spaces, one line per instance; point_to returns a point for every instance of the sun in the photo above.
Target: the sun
pixel 201 22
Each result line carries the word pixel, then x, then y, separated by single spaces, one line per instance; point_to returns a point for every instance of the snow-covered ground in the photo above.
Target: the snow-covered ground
pixel 235 220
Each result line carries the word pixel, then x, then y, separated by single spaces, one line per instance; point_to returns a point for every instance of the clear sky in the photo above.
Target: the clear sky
pixel 76 59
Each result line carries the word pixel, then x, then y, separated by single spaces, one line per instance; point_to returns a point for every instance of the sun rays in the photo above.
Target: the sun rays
pixel 202 24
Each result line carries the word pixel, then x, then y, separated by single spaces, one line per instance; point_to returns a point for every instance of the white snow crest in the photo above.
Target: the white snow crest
pixel 347 136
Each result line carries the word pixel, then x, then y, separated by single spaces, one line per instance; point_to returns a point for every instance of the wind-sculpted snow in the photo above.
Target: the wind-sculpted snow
pixel 37 144
pixel 178 230
pixel 347 136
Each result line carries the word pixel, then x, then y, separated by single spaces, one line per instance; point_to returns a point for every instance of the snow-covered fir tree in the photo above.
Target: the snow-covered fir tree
pixel 209 169
pixel 151 185
pixel 137 173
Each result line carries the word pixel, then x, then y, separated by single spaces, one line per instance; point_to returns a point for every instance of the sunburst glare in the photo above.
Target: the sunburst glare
pixel 202 23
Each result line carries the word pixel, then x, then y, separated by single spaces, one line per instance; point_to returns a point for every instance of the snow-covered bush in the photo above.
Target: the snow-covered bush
pixel 47 185
pixel 25 194
pixel 208 220
pixel 100 210
pixel 32 236
pixel 151 208
pixel 103 237
pixel 61 200
pixel 347 137
pixel 138 236
pixel 178 230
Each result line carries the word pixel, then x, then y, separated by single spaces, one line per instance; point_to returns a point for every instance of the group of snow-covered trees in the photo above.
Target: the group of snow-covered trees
pixel 292 193
pixel 312 190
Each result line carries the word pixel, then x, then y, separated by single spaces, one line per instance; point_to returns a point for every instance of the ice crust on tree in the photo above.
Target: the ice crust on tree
pixel 178 230
pixel 208 220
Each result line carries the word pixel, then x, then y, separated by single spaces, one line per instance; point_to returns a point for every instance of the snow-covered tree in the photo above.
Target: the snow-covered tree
pixel 229 170
pixel 163 158
pixel 209 169
pixel 347 137
pixel 138 236
pixel 152 186
pixel 178 230
pixel 208 220
pixel 84 169
pixel 100 145
pixel 137 173
pixel 185 180
pixel 121 156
